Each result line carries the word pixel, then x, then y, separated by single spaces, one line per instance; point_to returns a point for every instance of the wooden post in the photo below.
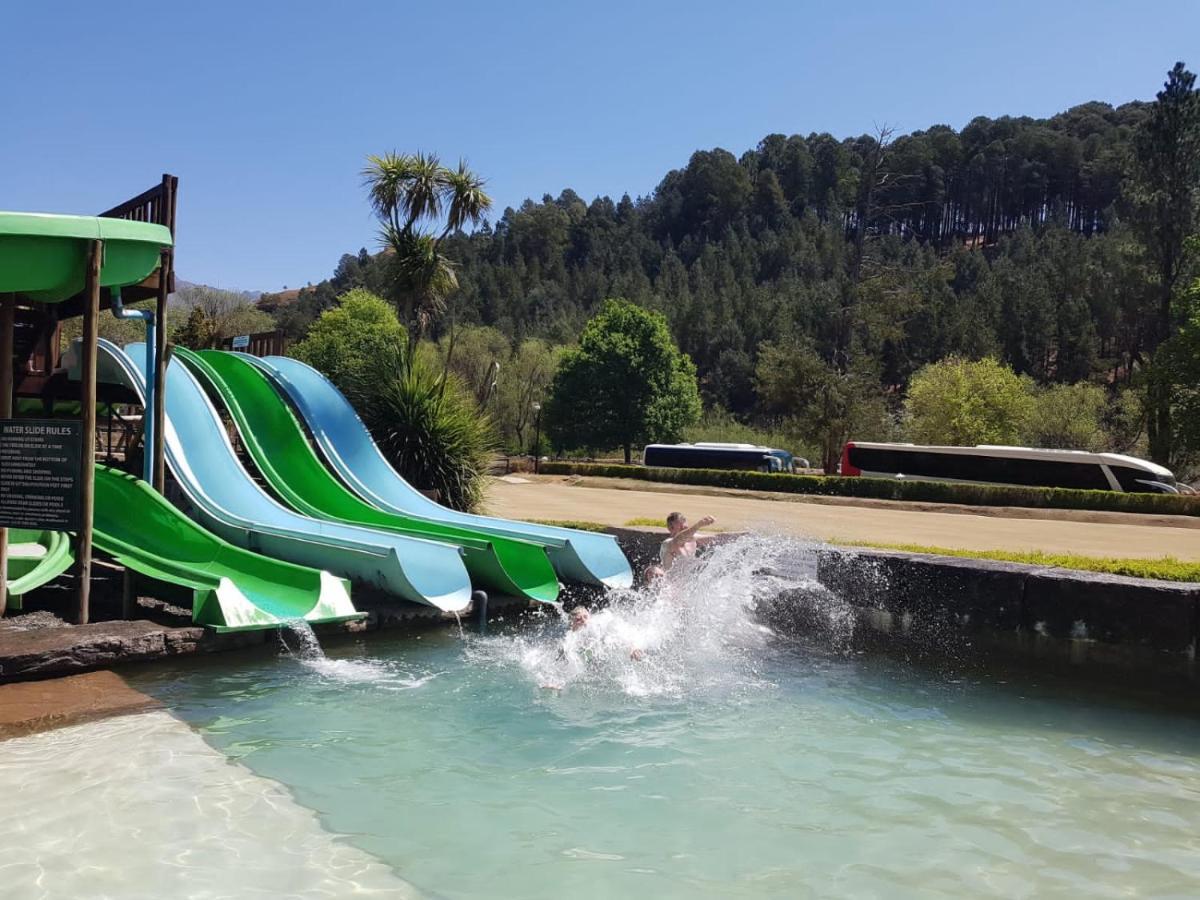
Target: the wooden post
pixel 87 402
pixel 8 309
pixel 128 595
pixel 160 373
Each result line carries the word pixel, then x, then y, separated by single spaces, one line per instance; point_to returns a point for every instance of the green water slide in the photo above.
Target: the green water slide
pixel 232 589
pixel 35 558
pixel 280 449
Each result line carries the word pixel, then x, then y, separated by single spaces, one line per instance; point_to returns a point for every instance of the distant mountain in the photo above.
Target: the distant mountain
pixel 183 285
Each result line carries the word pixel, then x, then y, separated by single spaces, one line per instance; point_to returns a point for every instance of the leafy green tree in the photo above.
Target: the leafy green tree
pixel 347 342
pixel 1177 367
pixel 1068 417
pixel 821 407
pixel 242 319
pixel 960 402
pixel 410 192
pixel 626 383
pixel 224 313
pixel 426 425
pixel 474 355
pixel 1125 422
pixel 523 381
pixel 120 331
pixel 1164 193
pixel 196 333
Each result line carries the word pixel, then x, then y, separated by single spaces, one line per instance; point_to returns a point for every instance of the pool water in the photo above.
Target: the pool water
pixel 726 761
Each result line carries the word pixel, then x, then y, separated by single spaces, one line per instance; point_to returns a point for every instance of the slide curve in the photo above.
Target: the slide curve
pixel 35 558
pixel 232 589
pixel 280 449
pixel 232 504
pixel 344 441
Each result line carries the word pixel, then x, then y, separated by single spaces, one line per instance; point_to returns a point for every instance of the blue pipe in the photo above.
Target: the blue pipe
pixel 147 316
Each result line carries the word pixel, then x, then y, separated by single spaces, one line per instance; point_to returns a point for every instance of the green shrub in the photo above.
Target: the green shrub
pixel 426 427
pixel 1068 417
pixel 346 342
pixel 962 402
pixel 890 489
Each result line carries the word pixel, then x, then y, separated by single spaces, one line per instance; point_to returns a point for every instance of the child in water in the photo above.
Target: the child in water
pixel 578 619
pixel 582 648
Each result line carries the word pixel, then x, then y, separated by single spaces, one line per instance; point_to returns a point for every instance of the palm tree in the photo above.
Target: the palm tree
pixel 410 192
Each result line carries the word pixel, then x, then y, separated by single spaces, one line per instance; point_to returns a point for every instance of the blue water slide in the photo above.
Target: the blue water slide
pixel 346 445
pixel 229 502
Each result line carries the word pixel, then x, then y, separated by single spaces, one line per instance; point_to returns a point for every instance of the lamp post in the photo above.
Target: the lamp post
pixel 537 440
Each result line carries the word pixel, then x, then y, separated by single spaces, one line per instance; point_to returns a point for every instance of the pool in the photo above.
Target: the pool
pixel 726 762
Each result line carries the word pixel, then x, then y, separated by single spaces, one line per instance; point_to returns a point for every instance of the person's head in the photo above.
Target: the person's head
pixel 579 617
pixel 676 522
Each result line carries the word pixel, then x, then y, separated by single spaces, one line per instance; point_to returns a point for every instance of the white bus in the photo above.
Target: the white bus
pixel 713 455
pixel 1025 466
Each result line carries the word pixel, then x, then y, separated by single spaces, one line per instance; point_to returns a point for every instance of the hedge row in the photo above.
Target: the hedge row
pixel 890 489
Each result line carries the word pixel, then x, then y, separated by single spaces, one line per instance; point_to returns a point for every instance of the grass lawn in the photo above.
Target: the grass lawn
pixel 571 523
pixel 1166 568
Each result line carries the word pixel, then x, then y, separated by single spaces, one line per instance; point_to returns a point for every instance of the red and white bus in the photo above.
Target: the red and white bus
pixel 986 464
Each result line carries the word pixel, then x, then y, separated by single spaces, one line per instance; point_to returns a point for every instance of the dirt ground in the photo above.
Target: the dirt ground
pixel 1089 534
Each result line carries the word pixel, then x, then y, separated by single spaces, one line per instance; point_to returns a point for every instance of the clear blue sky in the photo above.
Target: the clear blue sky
pixel 268 108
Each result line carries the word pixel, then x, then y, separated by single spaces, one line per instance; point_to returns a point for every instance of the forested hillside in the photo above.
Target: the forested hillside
pixel 870 256
pixel 733 250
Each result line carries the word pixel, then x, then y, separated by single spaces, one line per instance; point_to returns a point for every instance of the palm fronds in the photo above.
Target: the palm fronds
pixel 405 191
pixel 426 428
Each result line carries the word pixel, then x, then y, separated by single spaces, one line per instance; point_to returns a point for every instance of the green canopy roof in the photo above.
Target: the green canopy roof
pixel 44 257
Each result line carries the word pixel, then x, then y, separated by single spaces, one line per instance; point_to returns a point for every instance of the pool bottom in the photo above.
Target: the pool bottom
pixel 141 806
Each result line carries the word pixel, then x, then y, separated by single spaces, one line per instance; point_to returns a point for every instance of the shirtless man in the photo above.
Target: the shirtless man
pixel 684 540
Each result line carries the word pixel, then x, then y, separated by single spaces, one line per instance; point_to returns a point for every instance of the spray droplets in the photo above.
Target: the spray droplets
pixel 701 628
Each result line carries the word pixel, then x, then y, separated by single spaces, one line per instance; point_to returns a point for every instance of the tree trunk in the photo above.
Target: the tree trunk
pixel 1158 425
pixel 1158 422
pixel 628 454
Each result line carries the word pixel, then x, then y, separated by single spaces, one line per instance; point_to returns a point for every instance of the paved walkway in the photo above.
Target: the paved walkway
pixel 1120 536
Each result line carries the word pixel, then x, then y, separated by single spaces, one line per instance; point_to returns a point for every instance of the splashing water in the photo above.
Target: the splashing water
pixel 697 629
pixel 309 653
pixel 308 647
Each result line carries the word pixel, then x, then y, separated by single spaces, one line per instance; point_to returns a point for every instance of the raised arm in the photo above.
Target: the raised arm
pixel 688 533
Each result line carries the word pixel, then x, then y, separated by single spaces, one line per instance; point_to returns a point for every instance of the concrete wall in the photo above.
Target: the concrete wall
pixel 954 607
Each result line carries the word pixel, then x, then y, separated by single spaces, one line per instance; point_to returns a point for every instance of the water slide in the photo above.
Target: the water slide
pixel 230 503
pixel 276 442
pixel 343 439
pixel 232 589
pixel 35 558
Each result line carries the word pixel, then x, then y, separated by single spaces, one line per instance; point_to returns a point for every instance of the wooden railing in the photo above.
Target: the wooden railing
pixel 156 205
pixel 38 324
pixel 265 343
